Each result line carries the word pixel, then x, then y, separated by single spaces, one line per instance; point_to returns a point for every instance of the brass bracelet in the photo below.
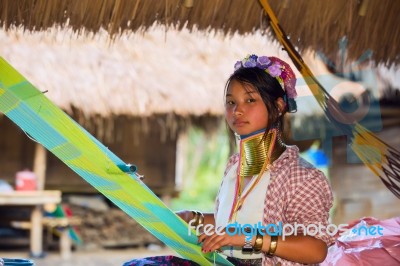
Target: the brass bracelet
pixel 201 218
pixel 198 218
pixel 259 242
pixel 194 219
pixel 272 245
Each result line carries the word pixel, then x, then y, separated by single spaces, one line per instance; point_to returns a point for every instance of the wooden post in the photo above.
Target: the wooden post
pixel 39 165
pixel 181 154
pixel 65 244
pixel 36 234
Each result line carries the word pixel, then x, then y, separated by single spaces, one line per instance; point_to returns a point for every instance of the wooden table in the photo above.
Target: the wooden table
pixel 36 199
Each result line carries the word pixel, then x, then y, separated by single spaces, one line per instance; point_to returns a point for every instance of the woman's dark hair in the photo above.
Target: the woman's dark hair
pixel 269 89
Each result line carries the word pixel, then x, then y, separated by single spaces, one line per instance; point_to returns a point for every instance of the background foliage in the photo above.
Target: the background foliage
pixel 205 161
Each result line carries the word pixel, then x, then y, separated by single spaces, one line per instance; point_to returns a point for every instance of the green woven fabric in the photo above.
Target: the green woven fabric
pixel 50 126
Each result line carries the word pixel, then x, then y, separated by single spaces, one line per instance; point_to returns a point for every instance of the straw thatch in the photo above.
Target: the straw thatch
pixel 157 72
pixel 315 24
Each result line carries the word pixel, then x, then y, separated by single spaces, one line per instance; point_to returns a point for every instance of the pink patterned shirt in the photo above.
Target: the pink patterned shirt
pixel 297 192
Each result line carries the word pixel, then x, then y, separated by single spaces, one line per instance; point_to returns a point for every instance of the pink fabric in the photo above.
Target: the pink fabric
pixel 367 250
pixel 298 192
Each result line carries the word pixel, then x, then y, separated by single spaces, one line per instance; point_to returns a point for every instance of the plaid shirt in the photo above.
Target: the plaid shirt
pixel 297 192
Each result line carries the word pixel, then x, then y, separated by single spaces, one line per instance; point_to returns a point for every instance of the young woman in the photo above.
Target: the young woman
pixel 267 181
pixel 267 190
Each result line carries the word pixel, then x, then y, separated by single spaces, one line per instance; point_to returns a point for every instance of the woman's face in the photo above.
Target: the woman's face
pixel 245 110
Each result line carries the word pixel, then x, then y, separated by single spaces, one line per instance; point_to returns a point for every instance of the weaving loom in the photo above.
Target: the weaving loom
pixel 27 107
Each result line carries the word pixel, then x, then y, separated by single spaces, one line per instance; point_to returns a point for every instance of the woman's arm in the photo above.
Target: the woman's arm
pixel 310 203
pixel 302 249
pixel 187 216
pixel 209 218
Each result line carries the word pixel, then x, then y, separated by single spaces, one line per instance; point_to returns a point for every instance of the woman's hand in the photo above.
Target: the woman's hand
pixel 215 240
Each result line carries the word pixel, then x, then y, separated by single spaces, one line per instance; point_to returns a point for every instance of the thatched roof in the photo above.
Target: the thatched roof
pixel 315 24
pixel 157 72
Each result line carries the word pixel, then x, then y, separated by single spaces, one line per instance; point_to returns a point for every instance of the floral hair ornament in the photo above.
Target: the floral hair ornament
pixel 278 69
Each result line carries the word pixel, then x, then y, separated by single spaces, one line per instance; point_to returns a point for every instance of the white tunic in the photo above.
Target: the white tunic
pixel 251 211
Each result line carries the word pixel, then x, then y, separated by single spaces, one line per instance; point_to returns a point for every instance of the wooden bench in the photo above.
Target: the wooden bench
pixel 36 200
pixel 62 224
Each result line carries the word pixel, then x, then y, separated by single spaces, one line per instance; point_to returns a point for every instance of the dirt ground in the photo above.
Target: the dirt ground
pixel 97 257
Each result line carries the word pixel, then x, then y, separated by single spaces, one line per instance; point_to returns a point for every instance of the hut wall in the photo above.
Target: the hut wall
pixel 149 146
pixel 16 150
pixel 134 142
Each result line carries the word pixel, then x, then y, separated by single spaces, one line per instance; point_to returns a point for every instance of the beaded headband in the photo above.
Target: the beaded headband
pixel 278 69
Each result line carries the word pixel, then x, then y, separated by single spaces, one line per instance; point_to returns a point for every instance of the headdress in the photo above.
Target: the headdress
pixel 278 69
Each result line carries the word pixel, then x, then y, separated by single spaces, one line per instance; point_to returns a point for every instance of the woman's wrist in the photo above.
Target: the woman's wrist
pixel 186 215
pixel 270 244
pixel 197 218
pixel 254 244
pixel 260 243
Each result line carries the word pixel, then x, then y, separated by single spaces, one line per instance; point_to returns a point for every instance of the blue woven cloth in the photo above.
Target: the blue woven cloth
pixel 160 260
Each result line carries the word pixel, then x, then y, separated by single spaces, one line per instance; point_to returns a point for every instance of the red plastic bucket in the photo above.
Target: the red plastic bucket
pixel 25 180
